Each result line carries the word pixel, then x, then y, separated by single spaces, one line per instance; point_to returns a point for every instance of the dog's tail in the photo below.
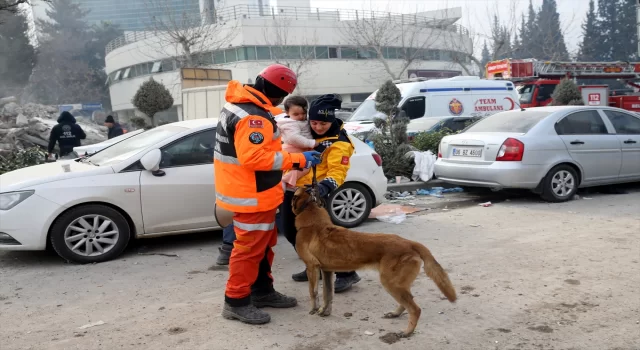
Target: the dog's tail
pixel 433 269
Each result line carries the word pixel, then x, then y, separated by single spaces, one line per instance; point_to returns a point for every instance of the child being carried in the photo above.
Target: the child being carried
pixel 296 134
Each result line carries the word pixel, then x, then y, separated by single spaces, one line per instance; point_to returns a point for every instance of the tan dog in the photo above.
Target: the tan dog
pixel 324 246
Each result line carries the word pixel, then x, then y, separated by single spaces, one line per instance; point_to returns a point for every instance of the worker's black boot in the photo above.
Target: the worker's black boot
pixel 225 254
pixel 247 314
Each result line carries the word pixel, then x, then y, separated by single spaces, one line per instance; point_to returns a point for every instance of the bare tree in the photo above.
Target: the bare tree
pixel 286 50
pixel 410 36
pixel 500 32
pixel 14 5
pixel 188 32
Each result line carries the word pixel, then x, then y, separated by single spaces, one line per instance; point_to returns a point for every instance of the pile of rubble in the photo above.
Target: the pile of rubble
pixel 29 125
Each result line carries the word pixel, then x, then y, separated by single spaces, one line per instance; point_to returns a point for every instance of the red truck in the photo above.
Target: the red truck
pixel 536 80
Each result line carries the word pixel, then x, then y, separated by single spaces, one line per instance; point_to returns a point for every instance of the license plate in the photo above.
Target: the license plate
pixel 467 152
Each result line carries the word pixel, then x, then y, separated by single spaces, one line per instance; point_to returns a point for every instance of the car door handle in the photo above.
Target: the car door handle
pixel 630 141
pixel 577 142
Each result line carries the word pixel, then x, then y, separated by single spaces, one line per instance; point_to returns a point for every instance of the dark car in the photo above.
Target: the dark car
pixel 435 124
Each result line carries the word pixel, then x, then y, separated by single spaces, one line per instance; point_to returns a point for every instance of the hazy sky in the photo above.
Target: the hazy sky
pixel 477 14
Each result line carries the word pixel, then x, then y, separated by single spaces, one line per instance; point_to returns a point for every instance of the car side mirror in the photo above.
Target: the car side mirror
pixel 151 162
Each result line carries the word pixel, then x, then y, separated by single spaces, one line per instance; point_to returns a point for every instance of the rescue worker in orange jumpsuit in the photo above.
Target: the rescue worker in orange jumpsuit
pixel 248 163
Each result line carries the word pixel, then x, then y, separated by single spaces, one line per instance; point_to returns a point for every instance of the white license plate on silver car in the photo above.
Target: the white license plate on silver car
pixel 467 152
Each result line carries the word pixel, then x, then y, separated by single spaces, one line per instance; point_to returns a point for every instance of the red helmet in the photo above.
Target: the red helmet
pixel 280 76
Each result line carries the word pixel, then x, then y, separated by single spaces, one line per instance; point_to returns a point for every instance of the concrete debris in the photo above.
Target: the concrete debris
pixel 29 125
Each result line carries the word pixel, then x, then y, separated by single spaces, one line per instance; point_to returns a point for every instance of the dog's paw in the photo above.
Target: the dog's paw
pixel 402 335
pixel 313 311
pixel 322 312
pixel 390 315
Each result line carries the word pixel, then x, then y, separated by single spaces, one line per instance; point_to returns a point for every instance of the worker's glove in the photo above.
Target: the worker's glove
pixel 323 190
pixel 312 158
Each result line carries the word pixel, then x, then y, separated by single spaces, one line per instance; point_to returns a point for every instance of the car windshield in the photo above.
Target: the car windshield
pixel 366 112
pixel 526 93
pixel 124 136
pixel 516 121
pixel 129 147
pixel 429 123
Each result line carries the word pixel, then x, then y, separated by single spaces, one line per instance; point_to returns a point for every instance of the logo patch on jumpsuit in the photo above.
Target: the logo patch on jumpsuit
pixel 345 160
pixel 256 138
pixel 255 123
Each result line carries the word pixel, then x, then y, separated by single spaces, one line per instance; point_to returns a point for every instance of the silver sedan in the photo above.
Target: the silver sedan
pixel 552 151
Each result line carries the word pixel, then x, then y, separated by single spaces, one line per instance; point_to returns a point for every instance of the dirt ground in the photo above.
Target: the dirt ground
pixel 529 275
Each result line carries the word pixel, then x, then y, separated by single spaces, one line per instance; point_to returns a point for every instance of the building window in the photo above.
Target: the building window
pixel 322 52
pixel 333 52
pixel 204 59
pixel 117 76
pixel 367 54
pixel 230 55
pixel 348 53
pixel 241 53
pixel 263 52
pixel 360 97
pixel 251 53
pixel 307 52
pixel 126 73
pixel 218 57
pixel 167 65
pixel 156 67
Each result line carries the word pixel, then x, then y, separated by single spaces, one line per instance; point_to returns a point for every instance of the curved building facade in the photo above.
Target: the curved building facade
pixel 317 44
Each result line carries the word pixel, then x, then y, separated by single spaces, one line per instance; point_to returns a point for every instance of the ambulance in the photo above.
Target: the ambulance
pixel 423 99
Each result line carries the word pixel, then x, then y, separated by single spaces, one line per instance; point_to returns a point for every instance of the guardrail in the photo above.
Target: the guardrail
pixel 322 14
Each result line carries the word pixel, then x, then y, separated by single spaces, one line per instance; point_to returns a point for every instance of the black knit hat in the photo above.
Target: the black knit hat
pixel 109 119
pixel 324 108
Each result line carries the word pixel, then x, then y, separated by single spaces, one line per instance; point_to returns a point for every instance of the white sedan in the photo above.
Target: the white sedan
pixel 89 213
pixel 552 151
pixel 81 151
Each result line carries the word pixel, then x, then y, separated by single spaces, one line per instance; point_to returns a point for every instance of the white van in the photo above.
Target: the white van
pixel 421 99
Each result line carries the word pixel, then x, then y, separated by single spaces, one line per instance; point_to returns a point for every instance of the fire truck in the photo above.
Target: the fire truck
pixel 536 80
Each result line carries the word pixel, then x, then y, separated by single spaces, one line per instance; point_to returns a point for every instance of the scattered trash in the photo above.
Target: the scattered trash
pixel 348 314
pixel 399 195
pixel 474 225
pixel 395 217
pixel 576 197
pixel 438 191
pixel 440 312
pixel 485 204
pixel 89 325
pixel 368 333
pixel 587 198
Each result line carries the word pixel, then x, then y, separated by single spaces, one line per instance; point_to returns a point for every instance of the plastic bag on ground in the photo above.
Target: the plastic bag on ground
pixel 425 164
pixel 396 217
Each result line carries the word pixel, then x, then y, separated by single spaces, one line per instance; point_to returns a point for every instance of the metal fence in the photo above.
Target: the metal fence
pixel 241 12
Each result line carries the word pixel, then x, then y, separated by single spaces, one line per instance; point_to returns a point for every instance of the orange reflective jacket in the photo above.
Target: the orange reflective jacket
pixel 248 156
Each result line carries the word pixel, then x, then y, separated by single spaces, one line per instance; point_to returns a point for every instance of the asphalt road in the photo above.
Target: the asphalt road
pixel 529 275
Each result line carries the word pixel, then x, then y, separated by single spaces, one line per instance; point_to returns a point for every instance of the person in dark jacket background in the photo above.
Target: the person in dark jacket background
pixel 114 128
pixel 67 134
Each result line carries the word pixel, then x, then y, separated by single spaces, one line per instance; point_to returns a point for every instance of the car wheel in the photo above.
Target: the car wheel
pixel 90 234
pixel 560 184
pixel 350 205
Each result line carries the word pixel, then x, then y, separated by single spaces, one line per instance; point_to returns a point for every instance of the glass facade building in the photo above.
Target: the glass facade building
pixel 131 15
